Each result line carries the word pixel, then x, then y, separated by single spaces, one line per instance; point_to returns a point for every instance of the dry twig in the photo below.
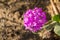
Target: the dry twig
pixel 54 8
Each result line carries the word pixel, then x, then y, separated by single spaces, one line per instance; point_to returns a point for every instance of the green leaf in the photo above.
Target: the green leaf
pixel 56 18
pixel 57 29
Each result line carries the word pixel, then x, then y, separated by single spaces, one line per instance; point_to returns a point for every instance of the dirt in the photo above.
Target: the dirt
pixel 11 18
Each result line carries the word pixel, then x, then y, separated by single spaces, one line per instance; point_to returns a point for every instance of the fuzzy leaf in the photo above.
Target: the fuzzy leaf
pixel 49 26
pixel 57 29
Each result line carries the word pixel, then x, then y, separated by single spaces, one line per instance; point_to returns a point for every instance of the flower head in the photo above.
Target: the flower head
pixel 34 19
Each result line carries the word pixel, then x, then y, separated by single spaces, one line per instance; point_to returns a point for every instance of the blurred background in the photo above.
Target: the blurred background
pixel 11 18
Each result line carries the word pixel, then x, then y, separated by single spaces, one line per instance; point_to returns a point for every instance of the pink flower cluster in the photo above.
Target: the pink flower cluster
pixel 34 19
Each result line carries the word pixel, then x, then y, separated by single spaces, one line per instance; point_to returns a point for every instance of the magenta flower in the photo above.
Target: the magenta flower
pixel 34 19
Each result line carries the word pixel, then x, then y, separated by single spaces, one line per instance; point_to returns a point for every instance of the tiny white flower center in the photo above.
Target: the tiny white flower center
pixel 30 15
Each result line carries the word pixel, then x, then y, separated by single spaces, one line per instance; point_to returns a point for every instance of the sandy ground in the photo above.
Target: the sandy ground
pixel 11 18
